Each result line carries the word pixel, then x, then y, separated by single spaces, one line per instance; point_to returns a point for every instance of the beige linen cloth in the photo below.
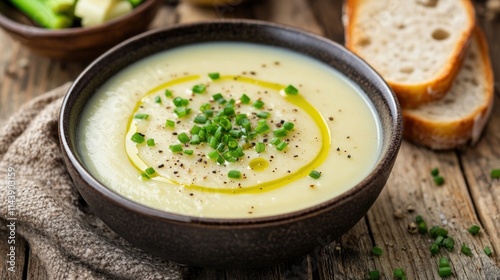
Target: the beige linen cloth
pixel 70 241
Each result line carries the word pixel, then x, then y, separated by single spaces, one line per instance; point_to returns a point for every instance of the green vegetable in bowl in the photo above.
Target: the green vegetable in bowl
pixel 57 14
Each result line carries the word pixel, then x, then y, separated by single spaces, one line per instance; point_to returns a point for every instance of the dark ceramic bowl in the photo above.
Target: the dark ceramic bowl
pixel 230 243
pixel 76 43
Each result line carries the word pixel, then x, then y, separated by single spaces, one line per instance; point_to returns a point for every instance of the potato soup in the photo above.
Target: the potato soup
pixel 229 130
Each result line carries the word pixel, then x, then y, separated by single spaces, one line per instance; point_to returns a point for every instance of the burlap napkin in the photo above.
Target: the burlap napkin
pixel 70 241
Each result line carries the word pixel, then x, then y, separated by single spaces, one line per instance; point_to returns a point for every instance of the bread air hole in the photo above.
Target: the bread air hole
pixel 406 70
pixel 440 34
pixel 428 3
pixel 364 41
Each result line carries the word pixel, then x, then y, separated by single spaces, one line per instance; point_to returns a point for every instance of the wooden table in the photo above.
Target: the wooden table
pixel 468 197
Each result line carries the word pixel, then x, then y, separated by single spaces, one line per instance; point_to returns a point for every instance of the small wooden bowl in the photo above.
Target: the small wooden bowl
pixel 76 43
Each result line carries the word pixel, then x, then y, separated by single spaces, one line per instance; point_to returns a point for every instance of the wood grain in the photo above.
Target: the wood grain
pixel 469 196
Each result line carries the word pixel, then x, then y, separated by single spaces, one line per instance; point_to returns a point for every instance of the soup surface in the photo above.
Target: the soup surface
pixel 229 130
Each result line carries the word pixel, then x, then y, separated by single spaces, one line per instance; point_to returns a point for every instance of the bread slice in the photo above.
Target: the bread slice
pixel 459 118
pixel 416 45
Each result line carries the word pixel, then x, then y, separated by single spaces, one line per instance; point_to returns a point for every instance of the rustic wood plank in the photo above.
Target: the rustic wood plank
pixel 20 250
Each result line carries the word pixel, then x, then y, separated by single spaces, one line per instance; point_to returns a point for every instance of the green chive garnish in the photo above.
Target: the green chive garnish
pixel 374 275
pixel 158 99
pixel 199 88
pixel 141 116
pixel 150 142
pixel 168 93
pixel 281 146
pixel 434 172
pixel 169 123
pixel 214 75
pixel 495 174
pixel 245 99
pixel 213 154
pixel 234 174
pixel 260 147
pixel 444 271
pixel 487 251
pixel 258 104
pixel 466 250
pixel 181 111
pixel 291 90
pixel 188 152
pixel 439 180
pixel 138 138
pixel 316 175
pixel 280 132
pixel 449 243
pixel 183 138
pixel 375 250
pixel 422 226
pixel 474 230
pixel 288 126
pixel 263 115
pixel 150 171
pixel 195 139
pixel 176 148
pixel 262 128
pixel 399 273
pixel 434 249
pixel 201 119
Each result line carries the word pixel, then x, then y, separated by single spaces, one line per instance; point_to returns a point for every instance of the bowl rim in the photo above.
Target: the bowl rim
pixel 386 157
pixel 36 31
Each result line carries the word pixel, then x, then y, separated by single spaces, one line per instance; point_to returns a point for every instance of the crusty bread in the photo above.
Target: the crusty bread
pixel 459 118
pixel 416 45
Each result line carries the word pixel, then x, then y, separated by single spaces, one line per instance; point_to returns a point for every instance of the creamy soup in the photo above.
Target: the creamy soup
pixel 229 130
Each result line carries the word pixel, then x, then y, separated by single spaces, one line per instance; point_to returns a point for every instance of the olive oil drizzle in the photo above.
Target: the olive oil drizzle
pixel 297 100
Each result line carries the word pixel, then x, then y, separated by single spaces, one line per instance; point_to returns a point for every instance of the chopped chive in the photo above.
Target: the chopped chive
pixel 288 126
pixel 439 180
pixel 245 99
pixel 214 75
pixel 150 142
pixel 199 88
pixel 260 147
pixel 281 146
pixel 422 226
pixel 176 148
pixel 141 116
pixel 434 249
pixel 263 115
pixel 466 250
pixel 487 251
pixel 150 171
pixel 220 160
pixel 228 110
pixel 449 243
pixel 235 133
pixel 213 154
pixel 316 175
pixel 181 111
pixel 262 128
pixel 275 141
pixel 201 119
pixel 209 113
pixel 474 230
pixel 280 132
pixel 444 262
pixel 183 138
pixel 495 174
pixel 138 138
pixel 436 231
pixel 439 240
pixel 217 96
pixel 195 129
pixel 195 139
pixel 145 176
pixel 169 123
pixel 168 93
pixel 258 104
pixel 375 250
pixel 234 174
pixel 291 90
pixel 434 172
pixel 399 273
pixel 158 99
pixel 188 152
pixel 226 124
pixel 444 271
pixel 374 275
pixel 178 101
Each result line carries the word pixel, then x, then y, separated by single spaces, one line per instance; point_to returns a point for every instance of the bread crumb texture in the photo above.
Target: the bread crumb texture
pixel 409 41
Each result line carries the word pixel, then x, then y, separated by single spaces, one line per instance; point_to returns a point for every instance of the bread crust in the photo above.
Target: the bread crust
pixel 414 95
pixel 440 135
